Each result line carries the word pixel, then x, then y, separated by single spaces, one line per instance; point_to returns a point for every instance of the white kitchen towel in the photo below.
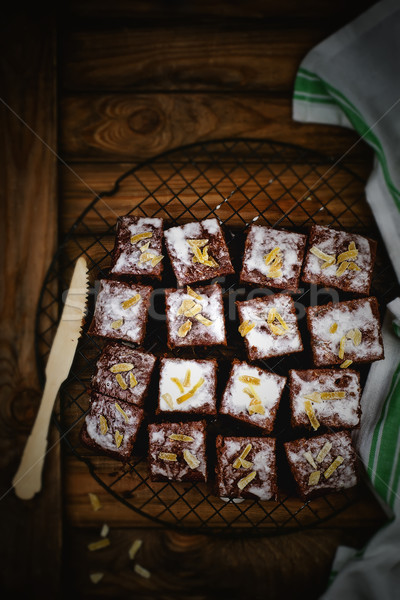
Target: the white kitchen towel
pixel 352 79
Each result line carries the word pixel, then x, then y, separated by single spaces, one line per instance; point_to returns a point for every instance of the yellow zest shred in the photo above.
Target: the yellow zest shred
pixel 145 257
pixel 144 247
pixel 353 267
pixel 238 462
pixel 96 577
pixel 103 425
pixel 168 399
pixel 118 438
pixel 203 320
pixel 333 328
pixel 180 437
pixel 184 329
pixel 246 480
pixel 245 327
pixel 191 392
pixel 103 543
pixel 256 408
pixel 178 383
pixel 187 303
pixel 132 380
pixel 308 407
pixel 186 379
pixel 357 337
pixel 322 255
pixel 191 459
pixel 131 301
pixel 122 412
pixel 134 549
pixel 167 456
pixel 310 459
pixel 352 246
pixel 142 571
pixel 121 382
pixel 314 478
pixel 121 367
pixel 250 379
pixel 342 347
pixel 117 324
pixel 343 266
pixel 348 255
pixel 156 260
pixel 346 364
pixel 94 501
pixel 192 293
pixel 333 466
pixel 193 311
pixel 323 452
pixel 141 236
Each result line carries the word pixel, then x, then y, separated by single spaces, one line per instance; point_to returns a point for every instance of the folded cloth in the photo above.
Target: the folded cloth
pixel 352 79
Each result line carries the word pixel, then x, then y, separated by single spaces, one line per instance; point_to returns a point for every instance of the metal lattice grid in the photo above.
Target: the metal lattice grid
pixel 238 182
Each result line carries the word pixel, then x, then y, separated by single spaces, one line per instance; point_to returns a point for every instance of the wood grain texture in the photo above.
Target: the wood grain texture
pixel 133 127
pixel 241 57
pixel 27 239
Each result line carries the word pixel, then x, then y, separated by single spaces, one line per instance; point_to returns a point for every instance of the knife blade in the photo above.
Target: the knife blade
pixel 27 480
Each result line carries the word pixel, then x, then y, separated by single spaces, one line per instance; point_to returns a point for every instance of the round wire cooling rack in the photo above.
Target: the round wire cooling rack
pixel 238 182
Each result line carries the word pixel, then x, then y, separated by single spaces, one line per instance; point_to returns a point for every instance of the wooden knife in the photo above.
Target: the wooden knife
pixel 28 478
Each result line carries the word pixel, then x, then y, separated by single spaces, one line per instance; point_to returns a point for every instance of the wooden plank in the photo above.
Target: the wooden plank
pixel 161 190
pixel 133 127
pixel 339 11
pixel 31 530
pixel 245 57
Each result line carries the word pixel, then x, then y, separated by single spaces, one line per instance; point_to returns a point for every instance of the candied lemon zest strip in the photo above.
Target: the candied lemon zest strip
pixel 144 247
pixel 333 328
pixel 121 410
pixel 141 236
pixel 178 383
pixel 203 320
pixel 96 577
pixel 246 464
pixel 276 330
pixel 268 258
pixel 187 303
pixel 180 437
pixel 99 544
pixel 167 456
pixel 342 269
pixel 186 380
pixel 352 246
pixel 132 380
pixel 354 267
pixel 357 337
pixel 117 324
pixel 310 459
pixel 322 255
pixel 282 321
pixel 121 367
pixel 245 327
pixel 323 452
pixel 335 395
pixel 192 293
pixel 308 407
pixel 256 408
pixel 314 397
pixel 328 263
pixel 191 392
pixel 145 257
pixel 314 478
pixel 121 382
pixel 168 399
pixel 191 459
pixel 193 311
pixel 346 364
pixel 333 466
pixel 184 329
pixel 250 379
pixel 348 255
pixel 134 549
pixel 342 346
pixel 197 243
pixel 118 438
pixel 156 260
pixel 103 425
pixel 94 501
pixel 246 480
pixel 130 302
pixel 242 456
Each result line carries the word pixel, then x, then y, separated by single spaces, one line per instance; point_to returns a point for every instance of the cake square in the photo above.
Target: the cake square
pixel 339 259
pixel 198 251
pixel 252 395
pixel 327 397
pixel 187 386
pixel 177 451
pixel 121 311
pixel 195 317
pixel 322 464
pixel 123 372
pixel 345 332
pixel 273 258
pixel 111 426
pixel 246 468
pixel 138 247
pixel 269 326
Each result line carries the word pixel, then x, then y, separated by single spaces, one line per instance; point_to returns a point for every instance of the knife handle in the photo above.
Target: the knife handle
pixel 27 480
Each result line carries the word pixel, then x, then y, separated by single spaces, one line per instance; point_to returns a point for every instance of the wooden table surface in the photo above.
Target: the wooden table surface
pixel 88 92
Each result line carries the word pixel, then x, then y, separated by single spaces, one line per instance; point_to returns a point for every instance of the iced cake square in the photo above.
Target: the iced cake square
pixel 345 332
pixel 198 251
pixel 252 395
pixel 195 317
pixel 111 426
pixel 177 451
pixel 187 386
pixel 138 247
pixel 269 327
pixel 123 372
pixel 325 397
pixel 246 468
pixel 339 259
pixel 273 258
pixel 121 311
pixel 322 464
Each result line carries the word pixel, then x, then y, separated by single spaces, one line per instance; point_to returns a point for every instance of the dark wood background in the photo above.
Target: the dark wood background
pixel 88 90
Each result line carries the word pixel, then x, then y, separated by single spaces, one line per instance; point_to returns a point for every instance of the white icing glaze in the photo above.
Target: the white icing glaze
pixel 204 397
